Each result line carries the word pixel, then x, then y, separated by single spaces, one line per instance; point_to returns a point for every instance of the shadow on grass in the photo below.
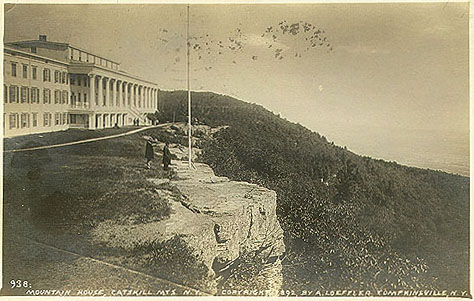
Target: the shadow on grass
pixel 76 187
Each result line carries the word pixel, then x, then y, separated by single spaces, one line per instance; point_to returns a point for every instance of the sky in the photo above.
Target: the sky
pixel 386 80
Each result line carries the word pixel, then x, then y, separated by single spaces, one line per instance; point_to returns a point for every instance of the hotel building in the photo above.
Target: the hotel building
pixel 51 86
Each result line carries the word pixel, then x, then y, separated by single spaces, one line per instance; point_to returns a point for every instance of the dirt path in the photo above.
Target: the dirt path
pixel 86 140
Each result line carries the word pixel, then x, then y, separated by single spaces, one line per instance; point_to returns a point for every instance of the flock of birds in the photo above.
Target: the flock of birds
pixel 313 37
pixel 301 37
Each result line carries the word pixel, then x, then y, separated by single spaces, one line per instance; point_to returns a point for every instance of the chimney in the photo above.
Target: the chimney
pixel 42 37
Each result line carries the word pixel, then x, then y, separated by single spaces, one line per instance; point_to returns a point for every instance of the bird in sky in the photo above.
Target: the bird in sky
pixel 300 37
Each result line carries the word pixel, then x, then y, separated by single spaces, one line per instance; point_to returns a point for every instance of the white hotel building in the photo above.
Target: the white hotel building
pixel 51 86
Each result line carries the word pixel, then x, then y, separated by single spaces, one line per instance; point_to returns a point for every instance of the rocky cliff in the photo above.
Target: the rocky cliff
pixel 228 232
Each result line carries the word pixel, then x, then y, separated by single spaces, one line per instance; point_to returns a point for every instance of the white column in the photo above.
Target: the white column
pixel 157 102
pixel 107 92
pixel 134 95
pixel 152 91
pixel 137 95
pixel 92 96
pixel 147 97
pixel 126 95
pixel 100 91
pixel 120 94
pixel 150 98
pixel 91 121
pixel 139 99
pixel 144 97
pixel 114 93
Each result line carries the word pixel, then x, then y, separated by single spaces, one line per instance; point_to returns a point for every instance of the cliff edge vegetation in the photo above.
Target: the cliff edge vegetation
pixel 350 221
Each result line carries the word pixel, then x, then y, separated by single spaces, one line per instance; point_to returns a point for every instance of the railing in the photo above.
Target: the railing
pixel 80 105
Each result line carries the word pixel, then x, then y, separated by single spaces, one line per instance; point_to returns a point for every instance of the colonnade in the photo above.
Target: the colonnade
pixel 112 92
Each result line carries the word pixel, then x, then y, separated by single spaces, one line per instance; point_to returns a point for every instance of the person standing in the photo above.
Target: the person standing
pixel 149 153
pixel 166 156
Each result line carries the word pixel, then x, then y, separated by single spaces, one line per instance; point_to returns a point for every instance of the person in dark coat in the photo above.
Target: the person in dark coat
pixel 166 156
pixel 149 153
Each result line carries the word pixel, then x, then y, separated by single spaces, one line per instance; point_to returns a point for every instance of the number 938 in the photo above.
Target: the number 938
pixel 19 283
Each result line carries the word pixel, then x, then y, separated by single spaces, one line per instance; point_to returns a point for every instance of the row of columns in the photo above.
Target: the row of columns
pixel 121 93
pixel 100 121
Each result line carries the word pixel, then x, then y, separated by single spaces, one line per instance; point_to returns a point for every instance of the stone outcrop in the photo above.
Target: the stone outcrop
pixel 217 219
pixel 243 218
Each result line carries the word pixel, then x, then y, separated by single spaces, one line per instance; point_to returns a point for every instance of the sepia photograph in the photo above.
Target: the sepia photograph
pixel 316 149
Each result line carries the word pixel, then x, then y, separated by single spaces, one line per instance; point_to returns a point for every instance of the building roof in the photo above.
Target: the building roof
pixel 88 66
pixel 15 51
pixel 39 44
pixel 42 42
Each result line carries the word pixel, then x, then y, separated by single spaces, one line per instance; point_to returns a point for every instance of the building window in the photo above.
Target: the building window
pixel 5 93
pixel 57 75
pixel 78 97
pixel 78 81
pixel 25 97
pixel 13 69
pixel 13 94
pixel 57 96
pixel 34 119
pixel 34 95
pixel 72 80
pixel 46 75
pixel 46 96
pixel 25 120
pixel 33 72
pixel 85 97
pixel 33 49
pixel 47 119
pixel 64 97
pixel 13 120
pixel 63 77
pixel 25 71
pixel 64 121
pixel 57 118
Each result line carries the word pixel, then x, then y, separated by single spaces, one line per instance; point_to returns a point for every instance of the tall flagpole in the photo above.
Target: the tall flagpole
pixel 189 90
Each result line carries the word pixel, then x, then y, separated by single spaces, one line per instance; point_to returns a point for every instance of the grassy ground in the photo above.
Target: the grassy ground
pixel 58 195
pixel 74 187
pixel 55 269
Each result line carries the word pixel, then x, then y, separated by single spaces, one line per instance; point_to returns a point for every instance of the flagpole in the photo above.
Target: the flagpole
pixel 189 90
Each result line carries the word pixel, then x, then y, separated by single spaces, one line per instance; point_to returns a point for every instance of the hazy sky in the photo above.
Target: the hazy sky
pixel 397 73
